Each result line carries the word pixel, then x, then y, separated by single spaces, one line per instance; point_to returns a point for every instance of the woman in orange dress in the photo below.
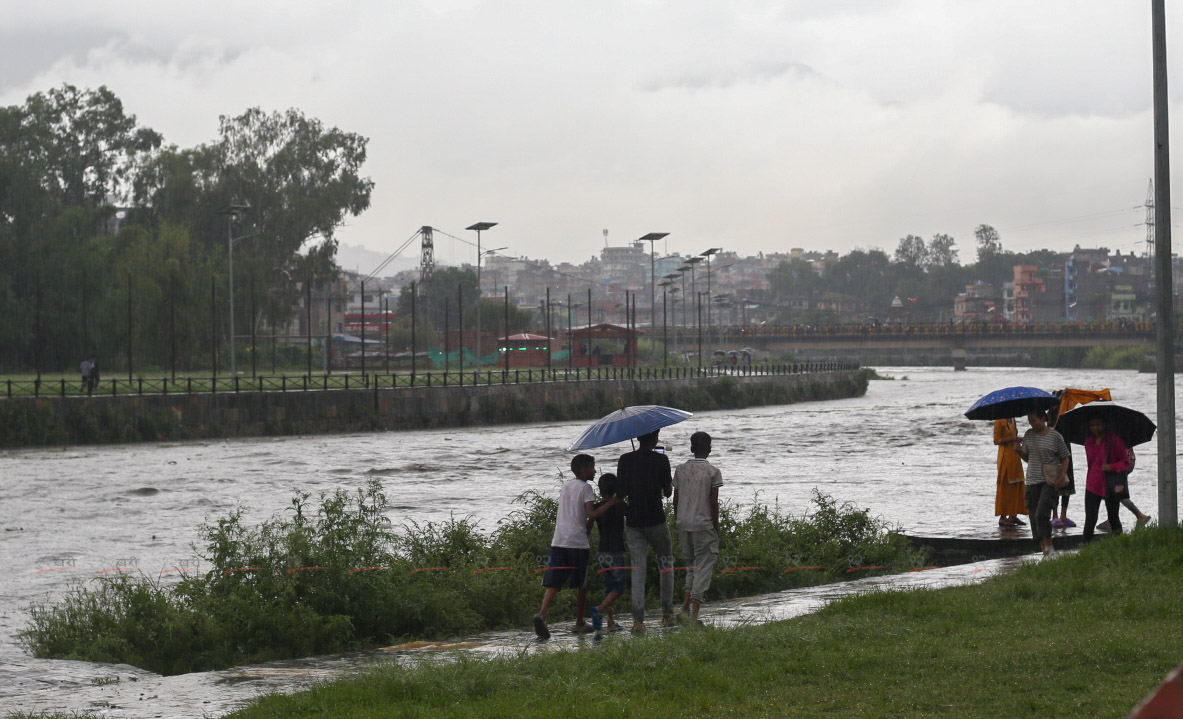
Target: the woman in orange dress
pixel 1009 501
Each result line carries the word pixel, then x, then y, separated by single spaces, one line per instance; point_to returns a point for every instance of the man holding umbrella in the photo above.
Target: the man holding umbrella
pixel 645 478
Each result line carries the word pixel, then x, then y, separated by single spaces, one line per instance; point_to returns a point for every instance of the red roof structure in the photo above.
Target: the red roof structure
pixel 603 345
pixel 525 349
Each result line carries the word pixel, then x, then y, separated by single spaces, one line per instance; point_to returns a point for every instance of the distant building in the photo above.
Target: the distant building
pixel 979 303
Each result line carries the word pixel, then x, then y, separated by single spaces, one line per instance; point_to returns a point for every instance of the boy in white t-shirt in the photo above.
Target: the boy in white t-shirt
pixel 696 505
pixel 569 548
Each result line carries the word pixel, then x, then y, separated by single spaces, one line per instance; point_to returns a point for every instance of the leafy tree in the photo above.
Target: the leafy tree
pixel 795 279
pixel 78 144
pixel 64 156
pixel 911 251
pixel 865 274
pixel 294 181
pixel 989 242
pixel 941 251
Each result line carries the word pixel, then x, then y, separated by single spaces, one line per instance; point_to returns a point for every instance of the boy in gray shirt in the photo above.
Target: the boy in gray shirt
pixel 696 506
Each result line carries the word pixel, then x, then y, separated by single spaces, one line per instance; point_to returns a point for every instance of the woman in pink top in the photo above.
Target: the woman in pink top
pixel 1106 452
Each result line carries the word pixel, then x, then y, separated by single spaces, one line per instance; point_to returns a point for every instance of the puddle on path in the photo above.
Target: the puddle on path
pixel 125 692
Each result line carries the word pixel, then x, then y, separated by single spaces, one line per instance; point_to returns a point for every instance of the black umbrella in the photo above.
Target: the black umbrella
pixel 1132 426
pixel 1011 402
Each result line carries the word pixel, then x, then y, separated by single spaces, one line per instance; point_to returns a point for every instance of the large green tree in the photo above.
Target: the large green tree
pixel 66 158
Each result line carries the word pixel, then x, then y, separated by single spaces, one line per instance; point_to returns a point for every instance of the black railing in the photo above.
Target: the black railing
pixel 376 381
pixel 930 330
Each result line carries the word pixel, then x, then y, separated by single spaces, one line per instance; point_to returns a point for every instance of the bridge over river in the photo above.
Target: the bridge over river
pixel 955 340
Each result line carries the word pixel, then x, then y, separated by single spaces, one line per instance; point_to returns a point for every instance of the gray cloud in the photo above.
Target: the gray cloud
pixel 723 78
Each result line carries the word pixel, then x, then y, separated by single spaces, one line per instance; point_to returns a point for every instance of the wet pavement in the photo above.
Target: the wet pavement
pixel 120 691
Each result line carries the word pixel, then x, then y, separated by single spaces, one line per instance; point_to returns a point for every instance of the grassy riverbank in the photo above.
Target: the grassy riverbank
pixel 332 576
pixel 1082 635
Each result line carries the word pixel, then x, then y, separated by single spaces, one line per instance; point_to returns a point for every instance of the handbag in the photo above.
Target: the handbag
pixel 1113 480
pixel 1051 473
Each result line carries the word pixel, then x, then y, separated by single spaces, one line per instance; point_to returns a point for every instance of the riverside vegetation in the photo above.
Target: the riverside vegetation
pixel 956 652
pixel 333 575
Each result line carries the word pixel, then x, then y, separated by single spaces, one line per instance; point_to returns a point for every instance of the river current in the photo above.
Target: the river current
pixel 904 451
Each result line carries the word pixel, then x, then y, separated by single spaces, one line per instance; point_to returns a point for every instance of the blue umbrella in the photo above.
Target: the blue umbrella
pixel 627 423
pixel 1011 402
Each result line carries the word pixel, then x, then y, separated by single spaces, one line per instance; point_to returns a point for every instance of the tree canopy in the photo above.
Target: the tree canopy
pixel 95 207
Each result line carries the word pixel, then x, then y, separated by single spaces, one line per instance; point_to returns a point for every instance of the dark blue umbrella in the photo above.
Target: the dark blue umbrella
pixel 627 423
pixel 1011 402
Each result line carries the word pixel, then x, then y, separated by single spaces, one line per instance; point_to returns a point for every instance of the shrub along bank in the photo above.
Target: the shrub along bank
pixel 333 576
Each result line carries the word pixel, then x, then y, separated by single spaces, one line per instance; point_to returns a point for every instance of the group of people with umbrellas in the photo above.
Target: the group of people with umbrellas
pixel 1108 432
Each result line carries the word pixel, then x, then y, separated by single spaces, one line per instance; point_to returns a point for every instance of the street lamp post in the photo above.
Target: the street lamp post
pixel 651 238
pixel 692 262
pixel 665 286
pixel 478 228
pixel 231 211
pixel 673 290
pixel 707 254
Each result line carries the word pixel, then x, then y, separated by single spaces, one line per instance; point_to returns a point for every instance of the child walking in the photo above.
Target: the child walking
pixel 569 548
pixel 611 553
pixel 696 506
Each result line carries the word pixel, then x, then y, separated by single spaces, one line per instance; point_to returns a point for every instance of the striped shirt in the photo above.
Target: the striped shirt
pixel 1048 448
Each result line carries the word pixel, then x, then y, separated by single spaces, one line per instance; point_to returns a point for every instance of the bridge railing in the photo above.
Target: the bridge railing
pixel 931 330
pixel 138 386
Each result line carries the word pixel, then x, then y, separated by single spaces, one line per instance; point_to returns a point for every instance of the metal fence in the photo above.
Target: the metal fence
pixel 372 381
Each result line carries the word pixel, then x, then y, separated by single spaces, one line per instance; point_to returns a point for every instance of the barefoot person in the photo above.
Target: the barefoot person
pixel 1008 494
pixel 696 505
pixel 569 548
pixel 1041 446
pixel 611 553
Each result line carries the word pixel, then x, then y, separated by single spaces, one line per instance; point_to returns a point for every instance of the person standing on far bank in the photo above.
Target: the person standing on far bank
pixel 644 479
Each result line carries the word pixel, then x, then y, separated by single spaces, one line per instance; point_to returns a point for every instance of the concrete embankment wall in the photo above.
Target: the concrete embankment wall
pixel 26 422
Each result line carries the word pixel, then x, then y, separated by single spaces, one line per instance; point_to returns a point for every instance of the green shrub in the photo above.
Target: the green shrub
pixel 334 576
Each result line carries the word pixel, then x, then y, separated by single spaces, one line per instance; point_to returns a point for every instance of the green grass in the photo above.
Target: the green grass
pixel 1080 636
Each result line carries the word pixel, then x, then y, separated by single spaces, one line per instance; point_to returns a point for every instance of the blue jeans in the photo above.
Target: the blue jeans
pixel 639 539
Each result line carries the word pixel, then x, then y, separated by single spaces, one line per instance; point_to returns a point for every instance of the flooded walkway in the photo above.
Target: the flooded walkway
pixel 120 691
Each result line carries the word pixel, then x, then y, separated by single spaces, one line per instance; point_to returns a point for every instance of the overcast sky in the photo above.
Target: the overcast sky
pixel 749 125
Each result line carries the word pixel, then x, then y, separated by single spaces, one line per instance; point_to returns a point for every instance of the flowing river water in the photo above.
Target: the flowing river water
pixel 904 451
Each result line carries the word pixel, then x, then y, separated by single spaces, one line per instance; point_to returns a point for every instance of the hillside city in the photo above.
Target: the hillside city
pixel 1084 285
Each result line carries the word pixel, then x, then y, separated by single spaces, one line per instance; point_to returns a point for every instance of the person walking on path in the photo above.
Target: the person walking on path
pixel 696 506
pixel 1041 446
pixel 94 376
pixel 84 368
pixel 1008 494
pixel 569 548
pixel 644 479
pixel 1107 456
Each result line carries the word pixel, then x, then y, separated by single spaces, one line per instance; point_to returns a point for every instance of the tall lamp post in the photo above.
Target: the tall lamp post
pixel 691 262
pixel 673 290
pixel 707 254
pixel 665 289
pixel 478 227
pixel 231 211
pixel 651 238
